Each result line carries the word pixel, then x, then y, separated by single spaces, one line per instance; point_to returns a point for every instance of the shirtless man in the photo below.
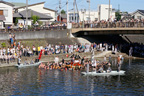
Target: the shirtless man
pixel 118 64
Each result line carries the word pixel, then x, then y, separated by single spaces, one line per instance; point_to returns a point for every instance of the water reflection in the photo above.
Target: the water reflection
pixel 32 81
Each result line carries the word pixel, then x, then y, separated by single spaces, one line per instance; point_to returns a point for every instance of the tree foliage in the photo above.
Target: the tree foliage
pixel 16 20
pixel 34 18
pixel 63 12
pixel 118 15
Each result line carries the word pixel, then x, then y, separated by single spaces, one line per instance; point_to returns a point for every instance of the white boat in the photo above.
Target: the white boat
pixel 28 65
pixel 112 73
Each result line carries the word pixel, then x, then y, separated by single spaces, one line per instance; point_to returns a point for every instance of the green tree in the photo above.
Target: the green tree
pixel 16 20
pixel 40 23
pixel 118 15
pixel 63 12
pixel 34 18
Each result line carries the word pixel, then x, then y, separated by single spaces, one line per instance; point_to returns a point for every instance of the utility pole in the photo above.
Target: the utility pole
pixel 26 14
pixel 119 7
pixel 83 11
pixel 89 10
pixel 60 10
pixel 74 11
pixel 56 14
pixel 109 11
pixel 67 14
pixel 78 19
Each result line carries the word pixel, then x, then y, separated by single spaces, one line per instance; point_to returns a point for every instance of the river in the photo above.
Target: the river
pixel 35 82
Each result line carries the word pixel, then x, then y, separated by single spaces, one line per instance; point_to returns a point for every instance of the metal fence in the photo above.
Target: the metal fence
pixel 33 29
pixel 110 25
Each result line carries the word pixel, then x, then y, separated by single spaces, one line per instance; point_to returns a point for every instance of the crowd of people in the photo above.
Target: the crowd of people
pixel 49 49
pixel 92 24
pixel 111 23
pixel 17 49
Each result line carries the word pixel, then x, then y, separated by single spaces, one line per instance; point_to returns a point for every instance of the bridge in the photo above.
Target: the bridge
pixel 100 31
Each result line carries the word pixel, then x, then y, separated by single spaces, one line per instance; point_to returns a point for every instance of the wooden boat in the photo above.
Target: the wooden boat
pixel 112 73
pixel 28 65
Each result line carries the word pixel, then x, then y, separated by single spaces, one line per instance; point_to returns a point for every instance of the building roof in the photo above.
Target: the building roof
pixel 2 17
pixel 31 5
pixel 17 4
pixel 140 11
pixel 22 14
pixel 49 9
pixel 7 3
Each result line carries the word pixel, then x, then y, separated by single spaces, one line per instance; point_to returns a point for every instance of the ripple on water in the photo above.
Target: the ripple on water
pixel 32 81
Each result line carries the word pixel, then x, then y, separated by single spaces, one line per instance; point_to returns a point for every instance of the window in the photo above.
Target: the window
pixel 138 17
pixel 1 12
pixel 87 18
pixel 6 13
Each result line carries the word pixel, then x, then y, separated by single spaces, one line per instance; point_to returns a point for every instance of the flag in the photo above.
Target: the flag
pixel 40 55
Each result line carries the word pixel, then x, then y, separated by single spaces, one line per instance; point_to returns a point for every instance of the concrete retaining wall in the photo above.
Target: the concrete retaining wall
pixel 36 34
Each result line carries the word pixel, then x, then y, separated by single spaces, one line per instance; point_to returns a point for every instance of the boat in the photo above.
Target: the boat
pixel 112 73
pixel 28 65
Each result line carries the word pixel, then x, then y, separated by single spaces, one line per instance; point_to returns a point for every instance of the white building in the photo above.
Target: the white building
pixel 39 7
pixel 139 14
pixel 6 14
pixel 83 16
pixel 101 14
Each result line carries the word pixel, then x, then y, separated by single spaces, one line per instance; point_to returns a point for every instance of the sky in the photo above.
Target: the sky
pixel 125 5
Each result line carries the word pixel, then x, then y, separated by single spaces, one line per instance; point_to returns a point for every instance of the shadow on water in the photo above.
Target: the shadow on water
pixel 34 81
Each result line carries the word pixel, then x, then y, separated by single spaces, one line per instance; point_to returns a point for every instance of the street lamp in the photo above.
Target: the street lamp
pixel 83 12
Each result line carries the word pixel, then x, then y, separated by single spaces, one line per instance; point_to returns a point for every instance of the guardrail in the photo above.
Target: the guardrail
pixel 110 25
pixel 32 29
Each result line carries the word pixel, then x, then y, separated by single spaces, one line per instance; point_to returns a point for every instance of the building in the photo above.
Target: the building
pixel 100 14
pixel 39 7
pixel 22 15
pixel 83 16
pixel 6 14
pixel 139 14
pixel 63 18
pixel 103 12
pixel 126 16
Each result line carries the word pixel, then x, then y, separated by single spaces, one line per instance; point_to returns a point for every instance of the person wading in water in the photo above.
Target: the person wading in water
pixel 118 65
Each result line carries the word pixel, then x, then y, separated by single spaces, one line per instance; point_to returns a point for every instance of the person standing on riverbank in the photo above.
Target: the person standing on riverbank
pixel 105 59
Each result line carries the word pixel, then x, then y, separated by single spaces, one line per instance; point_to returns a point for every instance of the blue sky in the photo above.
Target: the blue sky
pixel 125 5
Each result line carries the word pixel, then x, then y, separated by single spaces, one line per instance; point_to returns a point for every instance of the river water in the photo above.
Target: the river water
pixel 35 82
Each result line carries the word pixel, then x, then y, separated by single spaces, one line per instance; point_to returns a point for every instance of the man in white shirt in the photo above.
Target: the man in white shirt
pixel 4 51
pixel 34 50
